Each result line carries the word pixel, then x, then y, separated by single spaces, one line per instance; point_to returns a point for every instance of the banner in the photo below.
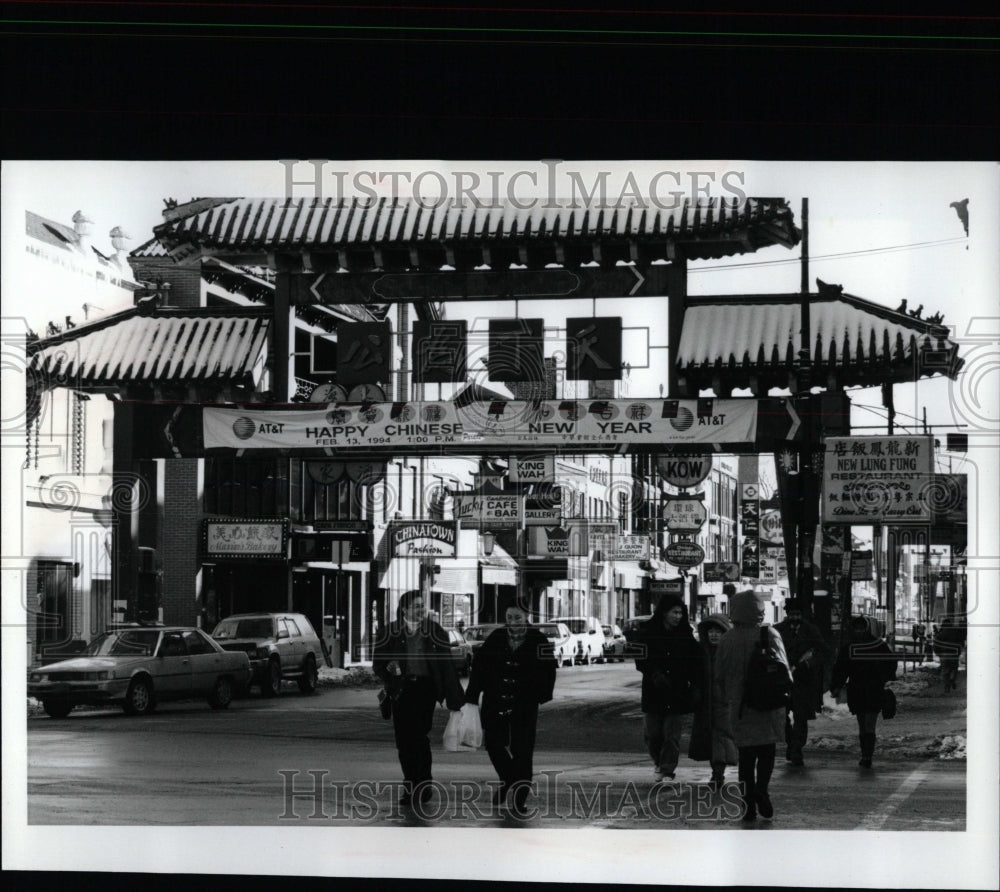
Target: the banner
pixel 394 427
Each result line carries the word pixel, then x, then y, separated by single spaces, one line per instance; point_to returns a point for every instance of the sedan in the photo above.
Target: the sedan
pixel 138 667
pixel 559 637
pixel 461 651
pixel 614 643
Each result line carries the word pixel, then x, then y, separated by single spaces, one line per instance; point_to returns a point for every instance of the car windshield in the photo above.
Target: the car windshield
pixel 133 643
pixel 259 627
pixel 576 626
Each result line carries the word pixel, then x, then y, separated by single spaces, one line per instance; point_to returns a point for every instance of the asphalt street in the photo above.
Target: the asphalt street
pixel 329 760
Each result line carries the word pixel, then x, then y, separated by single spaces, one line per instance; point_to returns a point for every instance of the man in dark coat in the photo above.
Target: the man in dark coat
pixel 416 666
pixel 807 654
pixel 671 665
pixel 948 643
pixel 515 671
pixel 864 665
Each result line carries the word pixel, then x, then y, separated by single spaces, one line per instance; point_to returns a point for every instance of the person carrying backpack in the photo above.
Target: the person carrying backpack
pixel 753 669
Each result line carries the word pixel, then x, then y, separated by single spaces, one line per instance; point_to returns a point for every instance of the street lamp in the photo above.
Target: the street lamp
pixel 489 541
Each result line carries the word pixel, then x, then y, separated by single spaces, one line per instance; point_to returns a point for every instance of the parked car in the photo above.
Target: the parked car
pixel 614 643
pixel 137 667
pixel 630 629
pixel 279 646
pixel 476 635
pixel 560 639
pixel 461 651
pixel 586 638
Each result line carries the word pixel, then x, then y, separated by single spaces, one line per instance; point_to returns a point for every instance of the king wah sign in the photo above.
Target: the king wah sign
pixel 393 427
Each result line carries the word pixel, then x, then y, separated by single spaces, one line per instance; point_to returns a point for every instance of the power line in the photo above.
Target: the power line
pixel 844 255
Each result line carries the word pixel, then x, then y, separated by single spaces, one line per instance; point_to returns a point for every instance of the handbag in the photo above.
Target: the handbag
pixel 888 703
pixel 385 704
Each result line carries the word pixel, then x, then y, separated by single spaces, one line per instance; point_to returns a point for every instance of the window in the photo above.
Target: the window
pixel 293 630
pixel 197 643
pixel 246 488
pixel 173 645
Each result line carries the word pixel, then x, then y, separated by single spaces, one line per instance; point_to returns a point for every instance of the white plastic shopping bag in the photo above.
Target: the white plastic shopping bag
pixel 453 732
pixel 472 727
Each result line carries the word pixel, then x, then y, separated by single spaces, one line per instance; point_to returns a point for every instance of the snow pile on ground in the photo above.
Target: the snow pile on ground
pixel 950 747
pixel 356 676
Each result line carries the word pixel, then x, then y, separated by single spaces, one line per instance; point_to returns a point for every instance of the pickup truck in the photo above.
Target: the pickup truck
pixel 586 638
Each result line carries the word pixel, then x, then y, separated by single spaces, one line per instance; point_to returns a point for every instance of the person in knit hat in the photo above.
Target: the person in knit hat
pixel 671 667
pixel 757 732
pixel 711 734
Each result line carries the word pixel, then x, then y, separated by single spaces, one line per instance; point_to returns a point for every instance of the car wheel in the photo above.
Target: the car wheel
pixel 270 685
pixel 222 693
pixel 139 697
pixel 58 709
pixel 310 676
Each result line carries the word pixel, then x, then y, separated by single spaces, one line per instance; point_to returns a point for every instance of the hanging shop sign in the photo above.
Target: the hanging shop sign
pixel 422 538
pixel 686 514
pixel 684 554
pixel 483 511
pixel 245 538
pixel 569 541
pixel 532 469
pixel 684 470
pixel 394 426
pixel 721 571
pixel 878 480
pixel 629 548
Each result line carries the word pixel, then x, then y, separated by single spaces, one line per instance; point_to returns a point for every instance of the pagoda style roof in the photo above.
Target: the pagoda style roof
pixel 754 342
pixel 406 234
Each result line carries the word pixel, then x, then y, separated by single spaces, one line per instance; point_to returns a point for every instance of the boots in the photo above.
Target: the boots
pixel 867 749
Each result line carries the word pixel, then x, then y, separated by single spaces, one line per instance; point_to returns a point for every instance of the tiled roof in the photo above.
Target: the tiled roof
pixel 257 224
pixel 57 234
pixel 182 347
pixel 854 337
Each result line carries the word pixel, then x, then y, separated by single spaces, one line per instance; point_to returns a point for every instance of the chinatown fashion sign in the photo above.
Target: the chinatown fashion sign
pixel 421 538
pixel 878 480
pixel 396 426
pixel 244 538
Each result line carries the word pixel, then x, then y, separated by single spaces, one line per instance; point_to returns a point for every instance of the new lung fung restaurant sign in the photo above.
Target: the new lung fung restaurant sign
pixel 878 479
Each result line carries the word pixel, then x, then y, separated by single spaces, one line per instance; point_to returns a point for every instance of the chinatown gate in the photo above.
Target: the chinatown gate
pixel 397 254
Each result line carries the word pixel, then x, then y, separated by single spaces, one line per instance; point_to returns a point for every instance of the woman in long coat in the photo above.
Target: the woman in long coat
pixel 515 671
pixel 416 666
pixel 757 732
pixel 711 734
pixel 671 667
pixel 865 664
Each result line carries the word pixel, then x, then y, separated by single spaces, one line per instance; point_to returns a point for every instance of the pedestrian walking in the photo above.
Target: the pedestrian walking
pixel 414 662
pixel 808 654
pixel 712 738
pixel 515 672
pixel 864 665
pixel 948 643
pixel 671 666
pixel 756 731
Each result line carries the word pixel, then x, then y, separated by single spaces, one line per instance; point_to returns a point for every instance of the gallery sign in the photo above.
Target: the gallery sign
pixel 391 427
pixel 878 479
pixel 245 538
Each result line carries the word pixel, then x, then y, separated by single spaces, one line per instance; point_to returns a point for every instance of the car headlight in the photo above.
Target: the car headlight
pixel 262 653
